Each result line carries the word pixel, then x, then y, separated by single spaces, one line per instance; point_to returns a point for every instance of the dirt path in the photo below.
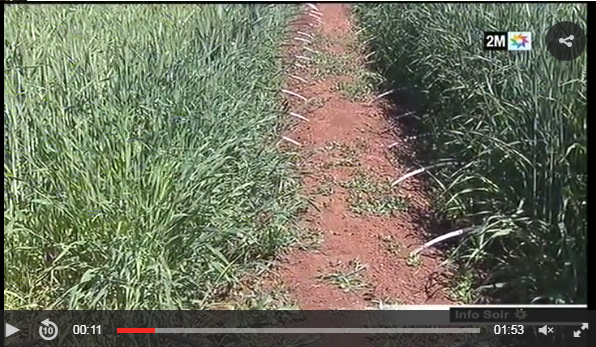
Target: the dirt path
pixel 360 230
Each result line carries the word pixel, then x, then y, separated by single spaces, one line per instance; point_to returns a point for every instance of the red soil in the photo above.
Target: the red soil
pixel 348 236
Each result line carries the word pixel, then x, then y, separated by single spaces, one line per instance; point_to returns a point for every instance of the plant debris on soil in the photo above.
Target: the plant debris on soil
pixel 365 231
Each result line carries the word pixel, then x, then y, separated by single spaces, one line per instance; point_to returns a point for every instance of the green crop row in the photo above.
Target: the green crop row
pixel 507 133
pixel 140 166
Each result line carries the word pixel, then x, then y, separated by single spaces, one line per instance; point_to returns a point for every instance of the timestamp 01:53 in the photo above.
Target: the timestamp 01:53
pixel 508 329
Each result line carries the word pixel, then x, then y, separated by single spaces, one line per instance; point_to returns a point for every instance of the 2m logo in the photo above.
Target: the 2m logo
pixel 495 41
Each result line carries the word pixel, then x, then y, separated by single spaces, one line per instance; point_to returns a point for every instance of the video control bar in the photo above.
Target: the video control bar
pixel 92 328
pixel 298 330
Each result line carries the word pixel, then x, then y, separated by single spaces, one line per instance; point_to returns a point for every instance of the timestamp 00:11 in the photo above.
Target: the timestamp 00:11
pixel 84 329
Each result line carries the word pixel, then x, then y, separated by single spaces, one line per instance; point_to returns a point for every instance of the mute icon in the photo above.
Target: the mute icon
pixel 545 330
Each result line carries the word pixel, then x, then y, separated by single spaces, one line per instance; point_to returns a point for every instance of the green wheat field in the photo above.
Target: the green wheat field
pixel 508 136
pixel 140 162
pixel 139 152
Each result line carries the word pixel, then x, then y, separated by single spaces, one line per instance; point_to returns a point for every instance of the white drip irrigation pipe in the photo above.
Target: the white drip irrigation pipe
pixel 408 175
pixel 291 141
pixel 444 237
pixel 303 57
pixel 310 50
pixel 294 114
pixel 299 78
pixel 302 39
pixel 312 6
pixel 416 172
pixel 294 94
pixel 319 19
pixel 381 96
pixel 368 56
pixel 310 36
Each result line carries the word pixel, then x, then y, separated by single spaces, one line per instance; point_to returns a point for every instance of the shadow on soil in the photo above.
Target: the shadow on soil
pixel 416 149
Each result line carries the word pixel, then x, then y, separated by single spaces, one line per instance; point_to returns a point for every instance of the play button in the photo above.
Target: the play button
pixel 9 330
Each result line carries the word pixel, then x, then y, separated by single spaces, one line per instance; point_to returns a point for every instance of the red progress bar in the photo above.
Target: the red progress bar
pixel 135 330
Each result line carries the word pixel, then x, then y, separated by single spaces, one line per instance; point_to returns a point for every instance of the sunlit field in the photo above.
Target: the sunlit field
pixel 140 167
pixel 507 133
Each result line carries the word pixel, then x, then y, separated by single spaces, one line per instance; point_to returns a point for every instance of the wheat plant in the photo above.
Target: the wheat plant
pixel 139 153
pixel 507 132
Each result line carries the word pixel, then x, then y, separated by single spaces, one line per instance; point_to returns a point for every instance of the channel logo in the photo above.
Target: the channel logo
pixel 507 41
pixel 519 40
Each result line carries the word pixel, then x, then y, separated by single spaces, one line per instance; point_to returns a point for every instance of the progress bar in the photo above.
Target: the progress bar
pixel 298 330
